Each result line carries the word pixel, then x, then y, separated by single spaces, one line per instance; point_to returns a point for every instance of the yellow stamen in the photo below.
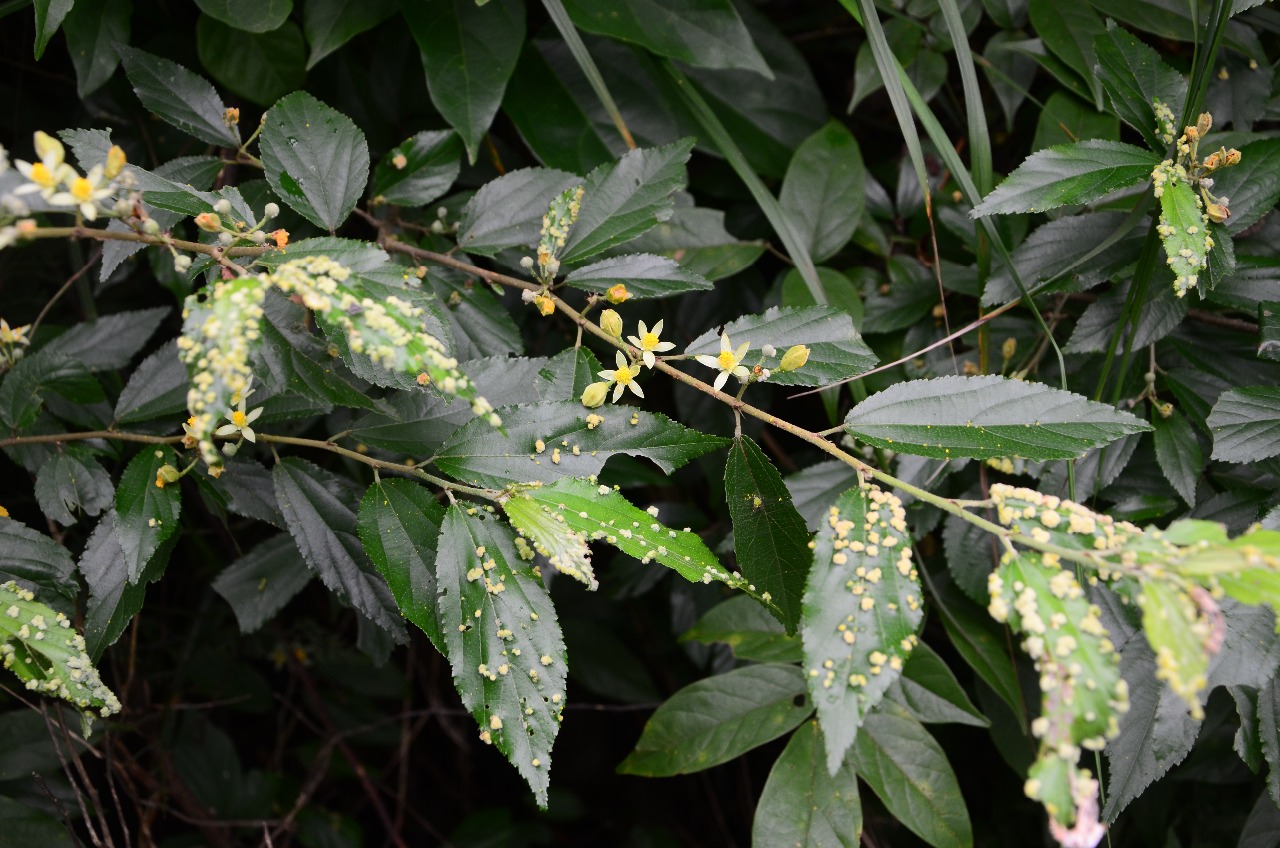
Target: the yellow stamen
pixel 727 360
pixel 649 341
pixel 238 418
pixel 40 175
pixel 81 189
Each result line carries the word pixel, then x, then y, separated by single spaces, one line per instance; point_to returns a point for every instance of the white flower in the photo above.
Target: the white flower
pixel 50 172
pixel 624 376
pixel 239 420
pixel 727 362
pixel 648 342
pixel 84 192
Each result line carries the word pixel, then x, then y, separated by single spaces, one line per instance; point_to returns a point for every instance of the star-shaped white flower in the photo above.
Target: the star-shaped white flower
pixel 240 421
pixel 649 343
pixel 623 377
pixel 728 362
pixel 50 172
pixel 85 192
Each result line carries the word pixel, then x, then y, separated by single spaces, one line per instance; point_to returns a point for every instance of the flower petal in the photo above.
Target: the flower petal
pixel 709 361
pixel 635 387
pixel 249 434
pixel 647 356
pixel 720 380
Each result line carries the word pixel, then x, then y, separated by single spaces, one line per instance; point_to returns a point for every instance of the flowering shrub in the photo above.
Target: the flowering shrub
pixel 529 382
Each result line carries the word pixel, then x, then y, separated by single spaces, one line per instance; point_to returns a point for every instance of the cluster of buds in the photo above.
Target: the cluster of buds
pixel 556 224
pixel 13 341
pixel 1199 170
pixel 230 230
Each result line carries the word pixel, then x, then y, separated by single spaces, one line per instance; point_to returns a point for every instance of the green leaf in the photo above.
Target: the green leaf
pixel 747 628
pixel 1069 174
pixel 62 669
pixel 1066 118
pixel 1179 455
pixel 1170 621
pixel 718 719
pixel 156 389
pixel 1245 424
pixel 1184 230
pixel 110 341
pixel 815 488
pixel 146 514
pixel 248 15
pixel 625 198
pixel 329 24
pixel 697 239
pixel 431 162
pixel 823 192
pixel 360 256
pixel 1068 29
pixel 113 600
pixel 24 387
pixel 93 33
pixel 481 326
pixel 399 524
pixel 49 16
pixel 930 692
pixel 770 538
pixel 836 350
pixel 33 559
pixel 982 644
pixel 986 417
pixel 1269 733
pixel 508 661
pixel 316 159
pixel 597 512
pixel 906 768
pixel 324 528
pixel 1262 828
pixel 1253 185
pixel 862 612
pixel 260 583
pixel 469 53
pixel 178 96
pixel 297 362
pixel 261 68
pixel 912 293
pixel 1134 78
pixel 70 482
pixel 574 443
pixel 702 33
pixel 507 212
pixel 644 275
pixel 802 805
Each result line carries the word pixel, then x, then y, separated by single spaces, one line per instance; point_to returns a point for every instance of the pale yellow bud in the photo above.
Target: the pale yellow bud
pixel 1204 123
pixel 617 294
pixel 594 395
pixel 209 222
pixel 611 323
pixel 115 162
pixel 795 357
pixel 1009 348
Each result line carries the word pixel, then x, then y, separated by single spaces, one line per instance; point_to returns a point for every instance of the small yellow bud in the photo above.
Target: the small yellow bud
pixel 545 304
pixel 1217 212
pixel 48 147
pixel 1233 158
pixel 1009 348
pixel 594 395
pixel 795 357
pixel 115 162
pixel 611 323
pixel 1204 123
pixel 617 294
pixel 209 222
pixel 1165 409
pixel 167 474
pixel 231 116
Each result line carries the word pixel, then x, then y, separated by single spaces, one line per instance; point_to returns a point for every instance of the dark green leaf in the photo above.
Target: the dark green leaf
pixel 1068 29
pixel 931 693
pixel 178 96
pixel 1069 174
pixel 49 16
pixel 644 275
pixel 1245 424
pixel 35 560
pixel 260 583
pixel 842 292
pixel 93 32
pixel 113 600
pixel 717 719
pixel 697 239
pixel 972 553
pixel 316 159
pixel 399 524
pixel 748 628
pixel 248 490
pixel 73 482
pixel 1269 733
pixel 990 416
pixel 1134 77
pixel 702 33
pixel 156 389
pixel 1253 185
pixel 566 375
pixel 802 805
pixel 1159 316
pixel 908 771
pixel 329 24
pixel 507 212
pixel 571 446
pixel 1179 454
pixel 1269 330
pixel 824 188
pixel 509 661
pixel 862 611
pixel 108 342
pixel 259 67
pixel 770 540
pixel 146 514
pixel 419 170
pixel 480 325
pixel 1066 118
pixel 982 643
pixel 324 528
pixel 360 256
pixel 23 389
pixel 1262 828
pixel 248 15
pixel 814 489
pixel 469 53
pixel 836 350
pixel 297 362
pixel 625 198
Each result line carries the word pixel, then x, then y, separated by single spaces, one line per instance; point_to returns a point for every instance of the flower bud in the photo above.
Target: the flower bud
pixel 258 237
pixel 526 262
pixel 611 323
pixel 769 350
pixel 224 239
pixel 271 210
pixel 795 357
pixel 617 293
pixel 1204 123
pixel 167 474
pixel 1233 158
pixel 1217 212
pixel 209 222
pixel 151 227
pixel 222 206
pixel 231 117
pixel 594 395
pixel 115 162
pixel 1009 348
pixel 48 147
pixel 181 263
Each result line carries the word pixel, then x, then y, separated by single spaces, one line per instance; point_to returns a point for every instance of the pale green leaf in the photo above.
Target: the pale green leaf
pixel 1185 232
pixel 802 805
pixel 644 275
pixel 823 191
pixel 748 629
pixel 1069 174
pixel 507 212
